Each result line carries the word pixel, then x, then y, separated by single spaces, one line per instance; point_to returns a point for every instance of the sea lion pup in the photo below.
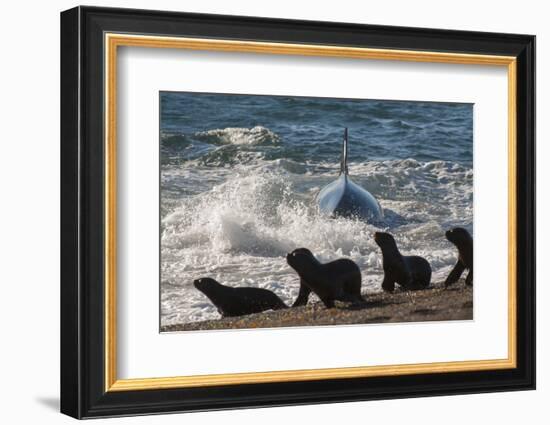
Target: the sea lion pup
pixel 303 294
pixel 460 238
pixel 410 272
pixel 238 301
pixel 338 280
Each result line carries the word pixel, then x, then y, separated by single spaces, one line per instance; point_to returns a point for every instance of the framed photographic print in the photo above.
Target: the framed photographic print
pixel 261 212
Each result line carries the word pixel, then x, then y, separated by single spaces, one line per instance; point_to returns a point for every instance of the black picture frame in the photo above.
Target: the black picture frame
pixel 83 392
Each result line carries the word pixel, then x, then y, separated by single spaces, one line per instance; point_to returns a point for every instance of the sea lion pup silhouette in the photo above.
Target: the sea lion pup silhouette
pixel 338 280
pixel 410 272
pixel 463 241
pixel 238 301
pixel 303 294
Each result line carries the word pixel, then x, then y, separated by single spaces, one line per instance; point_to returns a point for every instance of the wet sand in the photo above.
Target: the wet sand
pixel 433 304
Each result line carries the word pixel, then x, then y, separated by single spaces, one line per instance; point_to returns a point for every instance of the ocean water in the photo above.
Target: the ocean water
pixel 239 176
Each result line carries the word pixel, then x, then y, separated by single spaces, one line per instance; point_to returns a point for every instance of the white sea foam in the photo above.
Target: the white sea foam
pixel 241 136
pixel 239 225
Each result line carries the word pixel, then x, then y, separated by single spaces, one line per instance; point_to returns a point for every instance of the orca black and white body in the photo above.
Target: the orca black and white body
pixel 344 198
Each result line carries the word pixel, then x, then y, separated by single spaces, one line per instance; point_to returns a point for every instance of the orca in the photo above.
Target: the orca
pixel 344 198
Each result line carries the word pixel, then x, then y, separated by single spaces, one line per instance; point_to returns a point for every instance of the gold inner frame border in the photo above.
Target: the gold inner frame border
pixel 111 43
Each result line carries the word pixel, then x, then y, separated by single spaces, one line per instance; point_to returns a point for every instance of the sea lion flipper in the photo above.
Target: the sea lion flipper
pixel 470 278
pixel 388 284
pixel 328 302
pixel 303 295
pixel 455 273
pixel 349 298
pixel 358 300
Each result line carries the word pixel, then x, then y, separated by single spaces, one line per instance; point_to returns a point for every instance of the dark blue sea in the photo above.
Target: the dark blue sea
pixel 239 176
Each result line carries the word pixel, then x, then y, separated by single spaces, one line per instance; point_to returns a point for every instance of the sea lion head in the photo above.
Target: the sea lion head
pixel 205 283
pixel 296 258
pixel 458 236
pixel 304 251
pixel 384 240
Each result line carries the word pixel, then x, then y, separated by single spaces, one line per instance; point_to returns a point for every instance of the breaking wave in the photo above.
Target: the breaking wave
pixel 240 223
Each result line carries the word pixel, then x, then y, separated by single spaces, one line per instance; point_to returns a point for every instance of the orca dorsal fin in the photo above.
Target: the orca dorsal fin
pixel 344 157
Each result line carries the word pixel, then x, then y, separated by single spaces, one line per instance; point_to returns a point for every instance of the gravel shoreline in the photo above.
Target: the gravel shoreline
pixel 433 304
